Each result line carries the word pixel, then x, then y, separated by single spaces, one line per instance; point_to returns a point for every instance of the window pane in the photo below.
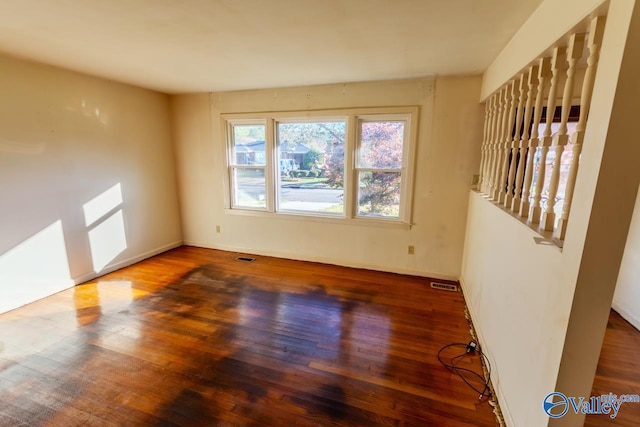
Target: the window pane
pixel 311 165
pixel 249 144
pixel 249 188
pixel 381 144
pixel 379 194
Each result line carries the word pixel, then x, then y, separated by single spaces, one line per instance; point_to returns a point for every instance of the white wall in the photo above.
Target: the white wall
pixel 66 138
pixel 626 300
pixel 448 129
pixel 541 313
pixel 519 298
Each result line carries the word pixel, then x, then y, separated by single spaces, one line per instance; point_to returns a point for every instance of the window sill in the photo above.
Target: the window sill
pixel 380 223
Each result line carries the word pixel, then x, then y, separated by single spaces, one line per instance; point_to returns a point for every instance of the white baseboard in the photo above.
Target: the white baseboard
pixel 627 314
pixel 324 260
pixel 504 407
pixel 125 263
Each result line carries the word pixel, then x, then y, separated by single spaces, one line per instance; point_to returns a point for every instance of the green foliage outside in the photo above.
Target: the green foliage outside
pixel 312 159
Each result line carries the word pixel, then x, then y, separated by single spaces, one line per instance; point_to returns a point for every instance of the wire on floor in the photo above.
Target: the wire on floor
pixel 469 349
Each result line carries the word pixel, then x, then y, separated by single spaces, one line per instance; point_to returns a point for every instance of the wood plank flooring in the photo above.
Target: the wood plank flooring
pixel 618 372
pixel 193 338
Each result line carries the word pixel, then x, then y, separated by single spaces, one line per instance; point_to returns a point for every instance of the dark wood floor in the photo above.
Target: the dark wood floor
pixel 194 338
pixel 618 372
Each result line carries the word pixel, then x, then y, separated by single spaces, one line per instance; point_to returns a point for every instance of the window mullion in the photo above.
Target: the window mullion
pixel 350 179
pixel 228 162
pixel 379 169
pixel 250 167
pixel 270 170
pixel 406 209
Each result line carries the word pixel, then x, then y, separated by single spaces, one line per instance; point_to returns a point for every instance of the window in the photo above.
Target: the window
pixel 248 163
pixel 379 166
pixel 346 165
pixel 311 156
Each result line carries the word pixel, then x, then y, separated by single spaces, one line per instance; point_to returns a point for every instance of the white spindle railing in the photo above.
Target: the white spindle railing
pixel 515 141
pixel 596 32
pixel 507 126
pixel 513 166
pixel 544 72
pixel 561 139
pixel 484 157
pixel 502 112
pixel 488 181
pixel 557 61
pixel 524 140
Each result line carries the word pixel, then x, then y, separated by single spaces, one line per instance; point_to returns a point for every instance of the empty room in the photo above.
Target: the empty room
pixel 319 213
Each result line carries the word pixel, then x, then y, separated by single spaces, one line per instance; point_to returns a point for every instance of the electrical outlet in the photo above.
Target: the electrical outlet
pixel 217 228
pixel 411 250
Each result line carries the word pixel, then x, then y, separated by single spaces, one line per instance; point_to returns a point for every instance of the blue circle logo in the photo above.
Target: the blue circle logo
pixel 555 404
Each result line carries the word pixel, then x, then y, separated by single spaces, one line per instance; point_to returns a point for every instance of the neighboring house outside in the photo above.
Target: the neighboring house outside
pixel 291 154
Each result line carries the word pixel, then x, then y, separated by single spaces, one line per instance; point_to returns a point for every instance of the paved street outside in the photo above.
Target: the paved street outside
pixel 296 198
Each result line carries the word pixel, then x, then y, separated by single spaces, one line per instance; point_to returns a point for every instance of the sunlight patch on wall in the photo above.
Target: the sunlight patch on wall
pixel 107 241
pixel 34 269
pixel 107 236
pixel 102 204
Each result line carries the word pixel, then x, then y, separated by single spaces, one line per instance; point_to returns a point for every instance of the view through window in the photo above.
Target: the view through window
pixel 380 162
pixel 248 166
pixel 311 166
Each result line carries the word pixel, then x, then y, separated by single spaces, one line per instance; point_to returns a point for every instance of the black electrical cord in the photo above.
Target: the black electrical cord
pixel 468 350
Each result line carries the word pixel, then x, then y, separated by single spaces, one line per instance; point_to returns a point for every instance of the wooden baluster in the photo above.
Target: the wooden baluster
pixel 574 53
pixel 497 154
pixel 543 72
pixel 531 77
pixel 507 126
pixel 514 144
pixel 557 63
pixel 501 112
pixel 493 102
pixel 485 145
pixel 596 32
pixel 489 153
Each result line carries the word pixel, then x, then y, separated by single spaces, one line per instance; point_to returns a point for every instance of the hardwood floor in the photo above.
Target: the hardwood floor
pixel 192 337
pixel 618 372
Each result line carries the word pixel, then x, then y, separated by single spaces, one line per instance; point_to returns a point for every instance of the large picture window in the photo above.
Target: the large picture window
pixel 347 164
pixel 311 161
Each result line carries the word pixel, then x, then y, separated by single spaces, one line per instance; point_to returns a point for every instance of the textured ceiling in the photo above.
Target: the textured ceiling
pixel 178 46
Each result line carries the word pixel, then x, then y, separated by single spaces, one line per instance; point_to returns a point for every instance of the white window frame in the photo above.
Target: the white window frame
pixel 353 118
pixel 277 177
pixel 232 165
pixel 403 169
